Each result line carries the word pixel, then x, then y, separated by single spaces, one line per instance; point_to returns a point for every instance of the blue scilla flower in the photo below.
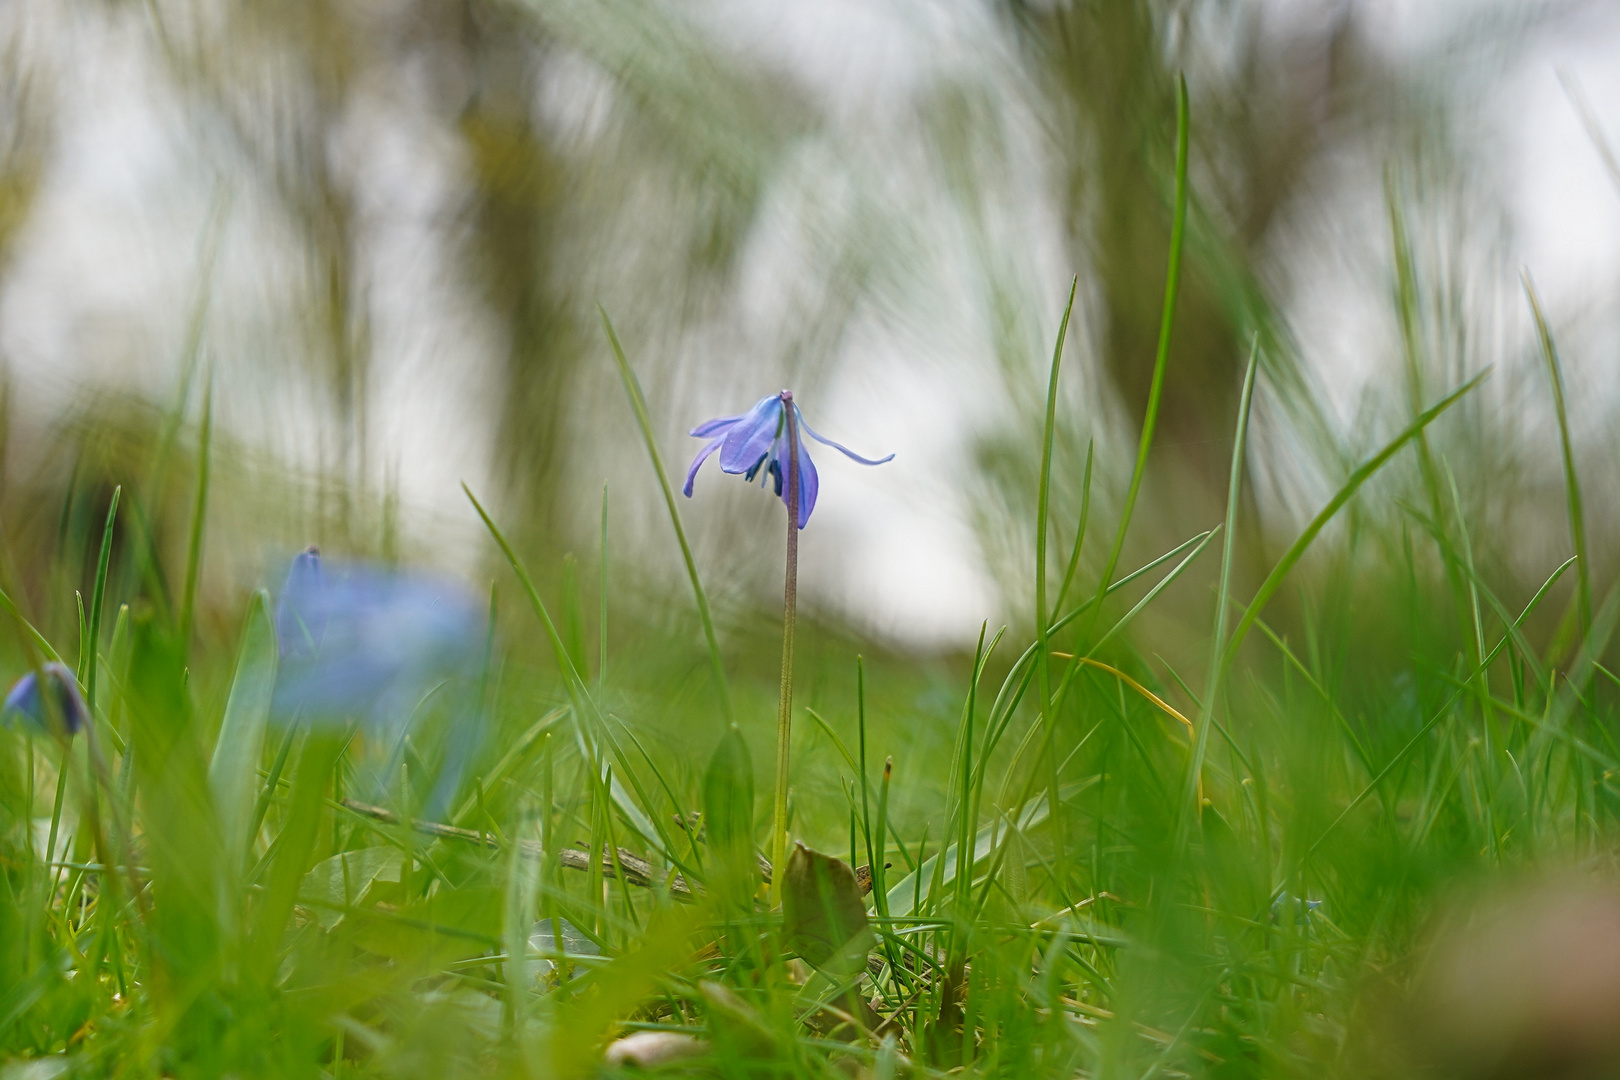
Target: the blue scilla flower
pixel 353 637
pixel 756 444
pixel 384 649
pixel 25 700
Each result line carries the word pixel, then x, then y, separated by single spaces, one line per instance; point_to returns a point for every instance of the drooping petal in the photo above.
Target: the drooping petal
pixel 808 481
pixel 751 437
pixel 808 485
pixel 711 428
pixel 697 462
pixel 852 455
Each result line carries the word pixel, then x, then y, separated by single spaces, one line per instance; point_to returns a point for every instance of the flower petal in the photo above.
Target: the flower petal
pixel 809 483
pixel 852 455
pixel 710 428
pixel 751 436
pixel 703 455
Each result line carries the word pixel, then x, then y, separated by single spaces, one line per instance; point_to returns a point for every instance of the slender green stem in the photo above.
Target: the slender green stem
pixel 784 708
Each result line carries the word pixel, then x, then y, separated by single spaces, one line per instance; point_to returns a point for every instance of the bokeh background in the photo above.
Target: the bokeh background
pixel 377 233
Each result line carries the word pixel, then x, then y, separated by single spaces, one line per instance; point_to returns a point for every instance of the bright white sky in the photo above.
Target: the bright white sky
pixel 105 278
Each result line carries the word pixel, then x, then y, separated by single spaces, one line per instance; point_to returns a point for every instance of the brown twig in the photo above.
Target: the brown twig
pixel 637 871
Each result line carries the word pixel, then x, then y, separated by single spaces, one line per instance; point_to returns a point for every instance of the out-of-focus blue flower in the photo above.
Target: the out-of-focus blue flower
pixel 353 637
pixel 25 700
pixel 359 643
pixel 755 444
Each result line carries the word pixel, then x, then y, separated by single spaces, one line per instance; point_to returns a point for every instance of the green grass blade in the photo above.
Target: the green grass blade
pixel 1080 529
pixel 97 601
pixel 602 649
pixel 585 707
pixel 1572 483
pixel 234 770
pixel 1212 687
pixel 30 633
pixel 199 514
pixel 1296 551
pixel 1043 664
pixel 638 403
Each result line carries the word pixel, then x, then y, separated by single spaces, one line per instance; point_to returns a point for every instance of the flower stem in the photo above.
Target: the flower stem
pixel 784 709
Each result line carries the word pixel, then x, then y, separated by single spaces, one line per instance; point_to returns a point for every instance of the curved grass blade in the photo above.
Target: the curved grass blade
pixel 638 403
pixel 1572 483
pixel 579 695
pixel 1296 551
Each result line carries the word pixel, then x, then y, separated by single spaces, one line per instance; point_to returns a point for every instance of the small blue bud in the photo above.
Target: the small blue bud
pixel 25 700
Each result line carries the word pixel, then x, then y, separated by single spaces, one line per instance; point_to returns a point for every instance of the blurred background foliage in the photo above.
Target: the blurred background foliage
pixel 378 233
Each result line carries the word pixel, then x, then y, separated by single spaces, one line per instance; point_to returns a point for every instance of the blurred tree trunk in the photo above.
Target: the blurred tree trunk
pixel 1110 70
pixel 519 201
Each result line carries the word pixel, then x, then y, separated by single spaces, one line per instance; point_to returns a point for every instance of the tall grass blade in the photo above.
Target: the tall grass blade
pixel 1572 483
pixel 1296 551
pixel 1212 686
pixel 199 515
pixel 638 403
pixel 234 770
pixel 1043 651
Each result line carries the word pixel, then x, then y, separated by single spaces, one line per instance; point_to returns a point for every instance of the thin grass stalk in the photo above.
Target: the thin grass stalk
pixel 1080 529
pixel 602 651
pixel 97 602
pixel 199 514
pixel 585 708
pixel 1296 551
pixel 866 800
pixel 638 404
pixel 1043 664
pixel 1406 305
pixel 1572 483
pixel 1191 810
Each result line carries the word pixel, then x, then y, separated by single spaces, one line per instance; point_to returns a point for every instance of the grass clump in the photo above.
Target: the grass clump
pixel 1078 865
